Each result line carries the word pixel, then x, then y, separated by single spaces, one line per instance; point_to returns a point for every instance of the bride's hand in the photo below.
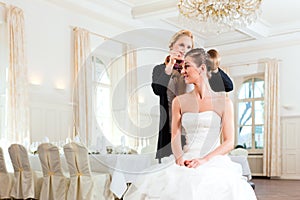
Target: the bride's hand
pixel 196 162
pixel 180 162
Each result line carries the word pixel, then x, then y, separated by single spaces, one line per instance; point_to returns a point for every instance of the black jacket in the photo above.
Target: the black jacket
pixel 220 82
pixel 160 80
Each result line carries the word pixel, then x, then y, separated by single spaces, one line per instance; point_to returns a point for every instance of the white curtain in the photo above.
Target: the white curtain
pixel 18 108
pixel 227 71
pixel 82 97
pixel 272 150
pixel 132 95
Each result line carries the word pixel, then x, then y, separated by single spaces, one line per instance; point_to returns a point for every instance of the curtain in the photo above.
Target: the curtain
pixel 82 97
pixel 18 108
pixel 132 95
pixel 272 150
pixel 227 71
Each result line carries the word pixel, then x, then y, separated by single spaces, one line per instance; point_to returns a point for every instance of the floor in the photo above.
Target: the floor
pixel 267 189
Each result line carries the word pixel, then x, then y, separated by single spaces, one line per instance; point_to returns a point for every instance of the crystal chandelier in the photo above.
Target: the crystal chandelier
pixel 219 15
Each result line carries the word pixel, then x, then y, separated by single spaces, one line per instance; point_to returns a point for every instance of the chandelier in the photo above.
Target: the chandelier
pixel 220 15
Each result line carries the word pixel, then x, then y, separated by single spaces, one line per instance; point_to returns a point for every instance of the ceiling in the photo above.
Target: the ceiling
pixel 279 23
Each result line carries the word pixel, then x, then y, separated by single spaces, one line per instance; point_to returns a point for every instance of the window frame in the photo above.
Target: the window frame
pixel 253 99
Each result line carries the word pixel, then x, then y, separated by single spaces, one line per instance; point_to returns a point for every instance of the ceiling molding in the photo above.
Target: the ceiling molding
pixel 154 8
pixel 257 30
pixel 198 38
pixel 70 5
pixel 287 28
pixel 124 2
pixel 224 43
pixel 260 45
pixel 125 15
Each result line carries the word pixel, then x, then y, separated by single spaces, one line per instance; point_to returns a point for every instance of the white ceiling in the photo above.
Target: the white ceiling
pixel 279 23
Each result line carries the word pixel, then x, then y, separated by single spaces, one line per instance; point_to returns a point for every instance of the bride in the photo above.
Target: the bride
pixel 201 170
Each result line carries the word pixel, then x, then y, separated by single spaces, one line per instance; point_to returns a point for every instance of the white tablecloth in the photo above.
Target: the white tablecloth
pixel 242 160
pixel 124 168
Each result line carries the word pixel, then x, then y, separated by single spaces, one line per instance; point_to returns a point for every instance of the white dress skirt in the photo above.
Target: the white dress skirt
pixel 217 179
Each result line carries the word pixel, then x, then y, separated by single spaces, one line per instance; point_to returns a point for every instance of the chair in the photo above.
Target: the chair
pixel 150 150
pixel 83 184
pixel 55 184
pixel 6 179
pixel 240 151
pixel 27 183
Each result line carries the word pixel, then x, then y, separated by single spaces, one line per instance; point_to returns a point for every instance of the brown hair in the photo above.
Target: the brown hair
pixel 178 35
pixel 200 57
pixel 214 54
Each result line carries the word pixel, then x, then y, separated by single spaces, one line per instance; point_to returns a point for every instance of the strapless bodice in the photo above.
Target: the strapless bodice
pixel 202 133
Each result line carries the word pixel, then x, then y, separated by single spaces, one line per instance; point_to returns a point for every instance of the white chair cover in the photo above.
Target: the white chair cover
pixel 83 184
pixel 6 179
pixel 239 152
pixel 26 183
pixel 55 184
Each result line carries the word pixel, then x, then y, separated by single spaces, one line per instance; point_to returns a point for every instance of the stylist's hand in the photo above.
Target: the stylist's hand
pixel 174 55
pixel 180 161
pixel 196 162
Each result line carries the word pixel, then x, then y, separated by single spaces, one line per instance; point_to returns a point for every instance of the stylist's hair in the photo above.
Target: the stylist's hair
pixel 180 34
pixel 200 57
pixel 214 54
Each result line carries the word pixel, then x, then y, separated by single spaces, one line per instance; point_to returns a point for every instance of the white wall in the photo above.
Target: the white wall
pixel 48 35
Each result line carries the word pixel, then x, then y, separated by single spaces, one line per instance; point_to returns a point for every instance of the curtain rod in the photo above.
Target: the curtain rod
pixel 106 38
pixel 99 35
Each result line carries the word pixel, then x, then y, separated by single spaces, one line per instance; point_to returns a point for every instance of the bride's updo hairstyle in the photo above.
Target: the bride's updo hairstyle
pixel 200 57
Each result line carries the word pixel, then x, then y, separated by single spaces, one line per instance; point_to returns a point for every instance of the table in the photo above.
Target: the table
pixel 124 168
pixel 243 161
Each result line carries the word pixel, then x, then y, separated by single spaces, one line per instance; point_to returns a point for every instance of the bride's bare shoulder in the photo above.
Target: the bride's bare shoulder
pixel 186 95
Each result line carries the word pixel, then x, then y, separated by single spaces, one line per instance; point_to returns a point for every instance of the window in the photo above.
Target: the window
pixel 101 98
pixel 250 114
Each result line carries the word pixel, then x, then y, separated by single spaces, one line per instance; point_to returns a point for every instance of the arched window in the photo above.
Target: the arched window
pixel 101 99
pixel 250 111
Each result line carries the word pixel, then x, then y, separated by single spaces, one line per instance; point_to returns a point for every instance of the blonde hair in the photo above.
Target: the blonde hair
pixel 180 34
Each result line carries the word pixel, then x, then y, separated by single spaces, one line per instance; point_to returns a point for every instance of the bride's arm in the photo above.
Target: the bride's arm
pixel 176 132
pixel 228 136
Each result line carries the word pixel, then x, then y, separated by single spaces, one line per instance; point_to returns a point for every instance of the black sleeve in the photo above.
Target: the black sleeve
pixel 228 85
pixel 160 80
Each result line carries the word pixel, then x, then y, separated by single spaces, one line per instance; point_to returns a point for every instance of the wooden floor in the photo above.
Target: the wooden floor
pixel 267 189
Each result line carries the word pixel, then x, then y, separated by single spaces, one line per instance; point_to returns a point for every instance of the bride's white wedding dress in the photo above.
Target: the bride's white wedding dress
pixel 217 179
